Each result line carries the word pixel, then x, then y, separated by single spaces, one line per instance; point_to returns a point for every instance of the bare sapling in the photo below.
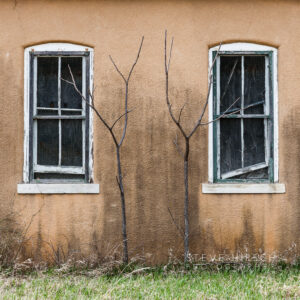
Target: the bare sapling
pixel 185 154
pixel 118 142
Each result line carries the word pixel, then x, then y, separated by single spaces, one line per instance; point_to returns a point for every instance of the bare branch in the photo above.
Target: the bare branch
pixel 25 231
pixel 177 147
pixel 92 97
pixel 170 55
pixel 208 93
pixel 181 112
pixel 175 223
pixel 136 60
pixel 117 69
pixel 69 82
pixel 167 91
pixel 73 83
pixel 116 121
pixel 133 65
pixel 224 113
pixel 126 93
pixel 165 52
pixel 214 61
pixel 177 122
pixel 229 79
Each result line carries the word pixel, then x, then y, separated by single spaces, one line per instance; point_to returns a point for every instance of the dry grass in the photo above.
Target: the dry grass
pixel 11 237
pixel 273 282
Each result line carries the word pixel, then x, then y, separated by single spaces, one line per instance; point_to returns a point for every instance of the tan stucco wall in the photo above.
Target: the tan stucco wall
pixel 154 173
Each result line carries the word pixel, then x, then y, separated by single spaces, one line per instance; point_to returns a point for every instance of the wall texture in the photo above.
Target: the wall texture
pixel 154 170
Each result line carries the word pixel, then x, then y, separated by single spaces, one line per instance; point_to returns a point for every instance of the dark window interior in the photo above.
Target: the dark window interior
pixel 242 132
pixel 230 82
pixel 59 135
pixel 47 82
pixel 71 141
pixel 69 97
pixel 230 145
pixel 47 142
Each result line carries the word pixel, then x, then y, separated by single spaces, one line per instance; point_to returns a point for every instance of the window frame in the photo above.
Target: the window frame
pixel 30 55
pixel 244 49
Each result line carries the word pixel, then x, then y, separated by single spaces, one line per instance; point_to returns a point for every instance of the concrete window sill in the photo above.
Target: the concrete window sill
pixel 244 188
pixel 57 188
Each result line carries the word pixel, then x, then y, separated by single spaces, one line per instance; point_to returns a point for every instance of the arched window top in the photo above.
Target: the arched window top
pixel 239 46
pixel 61 47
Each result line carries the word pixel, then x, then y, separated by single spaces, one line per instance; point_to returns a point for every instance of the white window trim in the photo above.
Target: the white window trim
pixel 55 47
pixel 54 188
pixel 240 187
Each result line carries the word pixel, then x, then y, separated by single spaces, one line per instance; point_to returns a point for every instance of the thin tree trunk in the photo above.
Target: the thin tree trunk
pixel 124 231
pixel 91 104
pixel 188 135
pixel 186 200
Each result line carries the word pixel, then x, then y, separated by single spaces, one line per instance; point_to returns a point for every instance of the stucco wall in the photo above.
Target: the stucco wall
pixel 154 171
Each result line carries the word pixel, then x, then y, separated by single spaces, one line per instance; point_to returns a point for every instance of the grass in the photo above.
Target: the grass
pixel 265 282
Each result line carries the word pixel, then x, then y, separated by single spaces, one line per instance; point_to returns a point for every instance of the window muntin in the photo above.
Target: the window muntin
pixel 243 140
pixel 59 136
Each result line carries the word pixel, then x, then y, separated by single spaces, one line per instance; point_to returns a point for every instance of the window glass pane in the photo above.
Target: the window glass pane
pixel 47 112
pixel 230 82
pixel 254 89
pixel 47 81
pixel 69 97
pixel 71 112
pixel 71 142
pixel 47 142
pixel 254 141
pixel 230 145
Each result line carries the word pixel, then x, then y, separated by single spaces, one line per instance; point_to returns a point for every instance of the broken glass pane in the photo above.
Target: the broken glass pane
pixel 47 81
pixel 71 142
pixel 257 174
pixel 230 82
pixel 47 142
pixel 69 97
pixel 254 88
pixel 254 140
pixel 230 145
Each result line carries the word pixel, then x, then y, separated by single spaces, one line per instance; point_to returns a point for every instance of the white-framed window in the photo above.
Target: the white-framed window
pixel 57 122
pixel 243 145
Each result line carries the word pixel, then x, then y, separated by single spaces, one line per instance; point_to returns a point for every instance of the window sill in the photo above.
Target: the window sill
pixel 244 188
pixel 54 188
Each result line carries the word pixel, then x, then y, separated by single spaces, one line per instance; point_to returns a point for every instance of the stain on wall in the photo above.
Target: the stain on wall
pixel 153 168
